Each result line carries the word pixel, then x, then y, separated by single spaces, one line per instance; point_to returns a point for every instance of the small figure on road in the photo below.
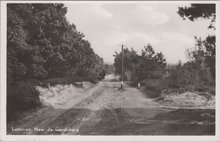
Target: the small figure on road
pixel 139 85
pixel 122 84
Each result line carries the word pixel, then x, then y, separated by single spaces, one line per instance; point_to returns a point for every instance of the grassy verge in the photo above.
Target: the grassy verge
pixel 153 88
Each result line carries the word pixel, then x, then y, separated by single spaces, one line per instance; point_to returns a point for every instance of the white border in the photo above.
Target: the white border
pixel 4 137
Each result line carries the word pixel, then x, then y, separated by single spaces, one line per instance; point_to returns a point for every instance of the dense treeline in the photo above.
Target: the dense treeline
pixel 42 44
pixel 43 47
pixel 148 64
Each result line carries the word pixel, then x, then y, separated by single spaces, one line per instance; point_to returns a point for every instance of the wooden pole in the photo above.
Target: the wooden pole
pixel 122 66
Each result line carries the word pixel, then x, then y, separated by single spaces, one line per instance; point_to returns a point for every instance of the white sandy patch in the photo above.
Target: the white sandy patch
pixel 188 100
pixel 59 95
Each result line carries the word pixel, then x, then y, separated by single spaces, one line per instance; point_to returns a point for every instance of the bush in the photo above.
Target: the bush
pixel 154 87
pixel 21 96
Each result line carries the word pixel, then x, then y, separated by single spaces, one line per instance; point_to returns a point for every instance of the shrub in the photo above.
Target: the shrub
pixel 154 87
pixel 21 96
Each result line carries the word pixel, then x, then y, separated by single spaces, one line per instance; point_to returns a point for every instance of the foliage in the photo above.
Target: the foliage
pixel 200 68
pixel 130 60
pixel 42 44
pixel 139 67
pixel 151 64
pixel 203 54
pixel 21 96
pixel 109 68
pixel 196 11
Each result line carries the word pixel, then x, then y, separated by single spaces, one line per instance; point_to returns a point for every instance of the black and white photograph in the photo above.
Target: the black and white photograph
pixel 109 68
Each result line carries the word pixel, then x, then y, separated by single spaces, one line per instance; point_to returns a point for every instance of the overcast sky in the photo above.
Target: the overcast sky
pixel 108 25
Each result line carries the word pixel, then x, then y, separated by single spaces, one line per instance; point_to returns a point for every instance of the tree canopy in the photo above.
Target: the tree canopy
pixel 148 64
pixel 198 11
pixel 41 43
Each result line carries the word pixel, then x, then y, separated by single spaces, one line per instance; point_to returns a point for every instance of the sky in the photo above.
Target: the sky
pixel 108 25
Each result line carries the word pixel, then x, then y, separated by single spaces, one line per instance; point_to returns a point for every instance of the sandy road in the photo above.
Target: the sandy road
pixel 106 110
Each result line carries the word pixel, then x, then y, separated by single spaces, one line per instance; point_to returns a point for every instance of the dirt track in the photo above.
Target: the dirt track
pixel 106 110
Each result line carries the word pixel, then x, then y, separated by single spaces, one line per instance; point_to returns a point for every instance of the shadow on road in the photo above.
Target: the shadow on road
pixel 132 121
